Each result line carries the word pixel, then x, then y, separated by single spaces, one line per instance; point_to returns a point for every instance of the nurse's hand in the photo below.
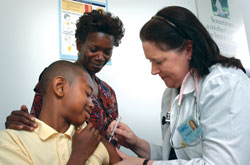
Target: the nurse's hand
pixel 130 160
pixel 123 134
pixel 126 137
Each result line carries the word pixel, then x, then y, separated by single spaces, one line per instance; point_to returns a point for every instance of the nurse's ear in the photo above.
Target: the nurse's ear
pixel 189 49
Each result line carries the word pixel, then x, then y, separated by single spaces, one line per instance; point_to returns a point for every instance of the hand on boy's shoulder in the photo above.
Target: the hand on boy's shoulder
pixel 21 120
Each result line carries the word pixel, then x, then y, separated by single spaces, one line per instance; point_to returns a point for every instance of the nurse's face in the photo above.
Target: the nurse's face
pixel 171 65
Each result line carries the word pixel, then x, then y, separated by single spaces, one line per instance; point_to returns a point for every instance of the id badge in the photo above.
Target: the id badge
pixel 190 130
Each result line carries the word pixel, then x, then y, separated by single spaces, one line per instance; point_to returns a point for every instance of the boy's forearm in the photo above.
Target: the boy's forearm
pixel 76 159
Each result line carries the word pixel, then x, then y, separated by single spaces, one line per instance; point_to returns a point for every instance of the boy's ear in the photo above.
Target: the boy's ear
pixel 58 85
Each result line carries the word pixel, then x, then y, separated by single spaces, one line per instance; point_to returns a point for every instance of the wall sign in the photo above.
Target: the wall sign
pixel 69 12
pixel 223 20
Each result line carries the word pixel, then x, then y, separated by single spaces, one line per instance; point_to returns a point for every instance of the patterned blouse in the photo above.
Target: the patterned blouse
pixel 105 106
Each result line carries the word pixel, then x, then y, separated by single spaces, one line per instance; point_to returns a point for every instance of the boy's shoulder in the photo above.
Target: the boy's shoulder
pixel 13 136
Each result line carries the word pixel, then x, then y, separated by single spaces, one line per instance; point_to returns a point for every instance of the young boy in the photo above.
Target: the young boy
pixel 61 136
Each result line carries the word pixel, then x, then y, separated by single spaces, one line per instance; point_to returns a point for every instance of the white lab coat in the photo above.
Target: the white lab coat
pixel 224 100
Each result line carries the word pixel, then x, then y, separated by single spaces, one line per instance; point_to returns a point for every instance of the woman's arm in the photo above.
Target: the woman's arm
pixel 37 101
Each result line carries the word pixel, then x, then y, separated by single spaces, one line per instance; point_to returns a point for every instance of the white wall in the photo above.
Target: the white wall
pixel 29 42
pixel 245 13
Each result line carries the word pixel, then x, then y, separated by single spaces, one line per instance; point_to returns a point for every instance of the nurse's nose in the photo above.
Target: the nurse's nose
pixel 154 69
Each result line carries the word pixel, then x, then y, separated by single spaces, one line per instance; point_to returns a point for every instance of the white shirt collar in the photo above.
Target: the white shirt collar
pixel 189 86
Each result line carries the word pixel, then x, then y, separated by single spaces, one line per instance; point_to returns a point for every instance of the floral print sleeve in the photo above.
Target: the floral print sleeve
pixel 37 102
pixel 105 109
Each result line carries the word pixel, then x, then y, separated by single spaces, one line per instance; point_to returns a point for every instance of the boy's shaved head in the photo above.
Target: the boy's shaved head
pixel 68 70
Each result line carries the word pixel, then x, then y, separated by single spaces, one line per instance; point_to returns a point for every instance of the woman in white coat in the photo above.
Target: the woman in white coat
pixel 205 109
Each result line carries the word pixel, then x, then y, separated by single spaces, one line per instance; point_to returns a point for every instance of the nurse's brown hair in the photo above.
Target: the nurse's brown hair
pixel 172 27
